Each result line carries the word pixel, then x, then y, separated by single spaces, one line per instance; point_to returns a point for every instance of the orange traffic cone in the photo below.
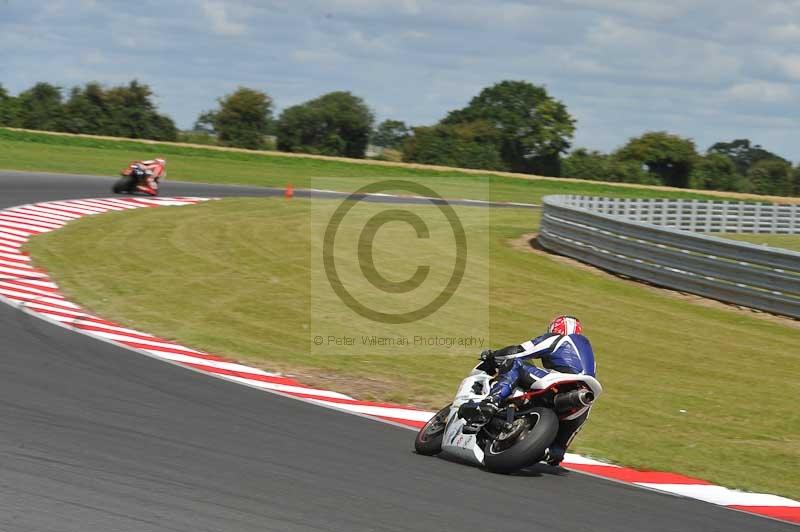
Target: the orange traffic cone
pixel 289 192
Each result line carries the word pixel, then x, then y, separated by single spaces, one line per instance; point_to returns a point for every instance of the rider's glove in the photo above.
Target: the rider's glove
pixel 489 406
pixel 488 363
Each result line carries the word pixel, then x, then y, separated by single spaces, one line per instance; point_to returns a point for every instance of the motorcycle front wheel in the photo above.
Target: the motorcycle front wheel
pixel 429 437
pixel 522 445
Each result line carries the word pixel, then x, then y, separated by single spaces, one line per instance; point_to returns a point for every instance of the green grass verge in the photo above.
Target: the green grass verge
pixel 68 154
pixel 703 391
pixel 791 242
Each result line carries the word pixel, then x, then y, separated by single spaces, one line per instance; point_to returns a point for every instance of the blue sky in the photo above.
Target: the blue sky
pixel 708 70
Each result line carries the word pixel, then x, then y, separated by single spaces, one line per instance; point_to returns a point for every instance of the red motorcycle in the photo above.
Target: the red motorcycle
pixel 141 176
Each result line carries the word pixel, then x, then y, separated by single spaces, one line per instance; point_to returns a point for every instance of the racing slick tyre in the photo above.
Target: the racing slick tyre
pixel 523 444
pixel 125 184
pixel 429 438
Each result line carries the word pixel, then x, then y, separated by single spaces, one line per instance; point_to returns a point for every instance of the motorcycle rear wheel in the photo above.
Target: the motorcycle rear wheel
pixel 528 447
pixel 124 184
pixel 429 438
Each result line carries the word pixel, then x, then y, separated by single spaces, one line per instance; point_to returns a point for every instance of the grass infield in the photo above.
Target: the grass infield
pixel 702 390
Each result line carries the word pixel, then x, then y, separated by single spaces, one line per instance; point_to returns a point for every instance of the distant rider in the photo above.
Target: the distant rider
pixel 154 170
pixel 563 349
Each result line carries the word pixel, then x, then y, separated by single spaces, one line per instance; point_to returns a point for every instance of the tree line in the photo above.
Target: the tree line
pixel 510 126
pixel 124 111
pixel 661 158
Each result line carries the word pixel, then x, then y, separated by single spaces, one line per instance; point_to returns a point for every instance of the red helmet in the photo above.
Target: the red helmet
pixel 564 325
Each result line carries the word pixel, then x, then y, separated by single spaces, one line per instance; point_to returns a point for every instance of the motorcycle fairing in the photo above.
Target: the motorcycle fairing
pixel 455 443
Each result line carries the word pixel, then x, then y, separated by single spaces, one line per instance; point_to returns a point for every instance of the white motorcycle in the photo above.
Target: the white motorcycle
pixel 518 435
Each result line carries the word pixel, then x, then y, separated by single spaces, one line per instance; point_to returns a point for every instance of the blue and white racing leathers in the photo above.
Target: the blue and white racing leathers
pixel 566 354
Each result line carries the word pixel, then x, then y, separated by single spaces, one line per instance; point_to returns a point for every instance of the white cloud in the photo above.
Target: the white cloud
pixel 648 9
pixel 781 8
pixel 630 52
pixel 785 32
pixel 409 7
pixel 414 35
pixel 216 12
pixel 579 62
pixel 321 56
pixel 765 92
pixel 612 32
pixel 789 65
pixel 363 41
pixel 498 15
pixel 93 57
pixel 54 9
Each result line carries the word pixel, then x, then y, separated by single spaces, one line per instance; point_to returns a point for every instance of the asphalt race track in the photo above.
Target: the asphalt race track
pixel 95 438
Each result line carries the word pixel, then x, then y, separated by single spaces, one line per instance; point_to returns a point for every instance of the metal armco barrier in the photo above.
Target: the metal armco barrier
pixel 652 240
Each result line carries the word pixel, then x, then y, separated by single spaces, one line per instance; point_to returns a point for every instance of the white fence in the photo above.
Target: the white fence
pixel 698 215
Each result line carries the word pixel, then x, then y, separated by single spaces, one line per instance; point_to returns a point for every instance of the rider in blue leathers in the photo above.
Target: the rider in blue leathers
pixel 564 349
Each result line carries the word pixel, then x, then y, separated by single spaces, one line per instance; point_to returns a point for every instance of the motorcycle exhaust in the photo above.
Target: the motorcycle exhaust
pixel 574 399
